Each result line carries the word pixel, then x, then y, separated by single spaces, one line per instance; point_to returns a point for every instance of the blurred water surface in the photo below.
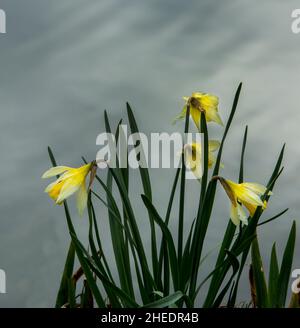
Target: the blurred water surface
pixel 63 62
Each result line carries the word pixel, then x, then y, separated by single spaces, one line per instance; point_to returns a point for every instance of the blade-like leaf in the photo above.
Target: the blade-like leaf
pixel 286 267
pixel 169 240
pixel 273 277
pixel 259 276
pixel 62 296
pixel 165 301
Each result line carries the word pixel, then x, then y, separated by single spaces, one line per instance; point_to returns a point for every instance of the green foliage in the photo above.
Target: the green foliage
pixel 169 276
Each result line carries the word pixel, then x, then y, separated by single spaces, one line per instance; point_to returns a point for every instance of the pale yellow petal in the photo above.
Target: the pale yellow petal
pixel 56 170
pixel 234 215
pixel 50 186
pixel 196 115
pixel 180 116
pixel 237 215
pixel 213 116
pixel 244 194
pixel 249 197
pixel 197 171
pixel 211 160
pixel 257 188
pixel 213 145
pixel 192 155
pixel 209 101
pixel 242 215
pixel 68 189
pixel 81 200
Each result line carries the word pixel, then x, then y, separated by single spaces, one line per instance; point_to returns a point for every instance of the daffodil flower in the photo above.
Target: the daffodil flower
pixel 193 156
pixel 243 194
pixel 201 102
pixel 71 180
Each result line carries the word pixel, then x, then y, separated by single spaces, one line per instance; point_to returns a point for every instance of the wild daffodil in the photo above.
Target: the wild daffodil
pixel 193 156
pixel 201 102
pixel 71 180
pixel 243 194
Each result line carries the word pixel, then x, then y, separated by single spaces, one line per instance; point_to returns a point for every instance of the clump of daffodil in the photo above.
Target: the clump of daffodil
pixel 193 156
pixel 71 180
pixel 243 194
pixel 201 102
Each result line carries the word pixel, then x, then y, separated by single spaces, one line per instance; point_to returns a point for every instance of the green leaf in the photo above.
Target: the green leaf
pixel 219 274
pixel 165 301
pixel 89 262
pixel 71 293
pixel 203 217
pixel 169 240
pixel 87 300
pixel 182 193
pixel 117 236
pixel 62 296
pixel 163 253
pixel 259 276
pixel 273 277
pixel 235 267
pixel 87 272
pixel 144 173
pixel 97 257
pixel 148 279
pixel 241 175
pixel 286 267
pixel 273 217
pixel 233 109
pixel 205 162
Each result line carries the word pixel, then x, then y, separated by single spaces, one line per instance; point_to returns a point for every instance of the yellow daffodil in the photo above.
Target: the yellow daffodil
pixel 201 102
pixel 71 180
pixel 247 194
pixel 193 156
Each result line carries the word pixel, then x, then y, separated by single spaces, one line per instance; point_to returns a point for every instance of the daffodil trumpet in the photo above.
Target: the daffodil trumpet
pixel 70 181
pixel 247 194
pixel 201 103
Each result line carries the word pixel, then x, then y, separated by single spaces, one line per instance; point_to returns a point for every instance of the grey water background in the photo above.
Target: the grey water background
pixel 63 62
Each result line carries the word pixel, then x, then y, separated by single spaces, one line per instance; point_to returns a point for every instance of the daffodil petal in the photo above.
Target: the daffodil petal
pixel 208 101
pixel 234 215
pixel 193 160
pixel 213 145
pixel 50 186
pixel 256 187
pixel 68 189
pixel 249 197
pixel 242 214
pixel 196 115
pixel 238 214
pixel 56 170
pixel 213 115
pixel 198 172
pixel 180 116
pixel 81 201
pixel 244 194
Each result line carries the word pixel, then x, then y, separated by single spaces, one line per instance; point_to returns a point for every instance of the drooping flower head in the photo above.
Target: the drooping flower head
pixel 193 156
pixel 243 194
pixel 72 180
pixel 201 102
